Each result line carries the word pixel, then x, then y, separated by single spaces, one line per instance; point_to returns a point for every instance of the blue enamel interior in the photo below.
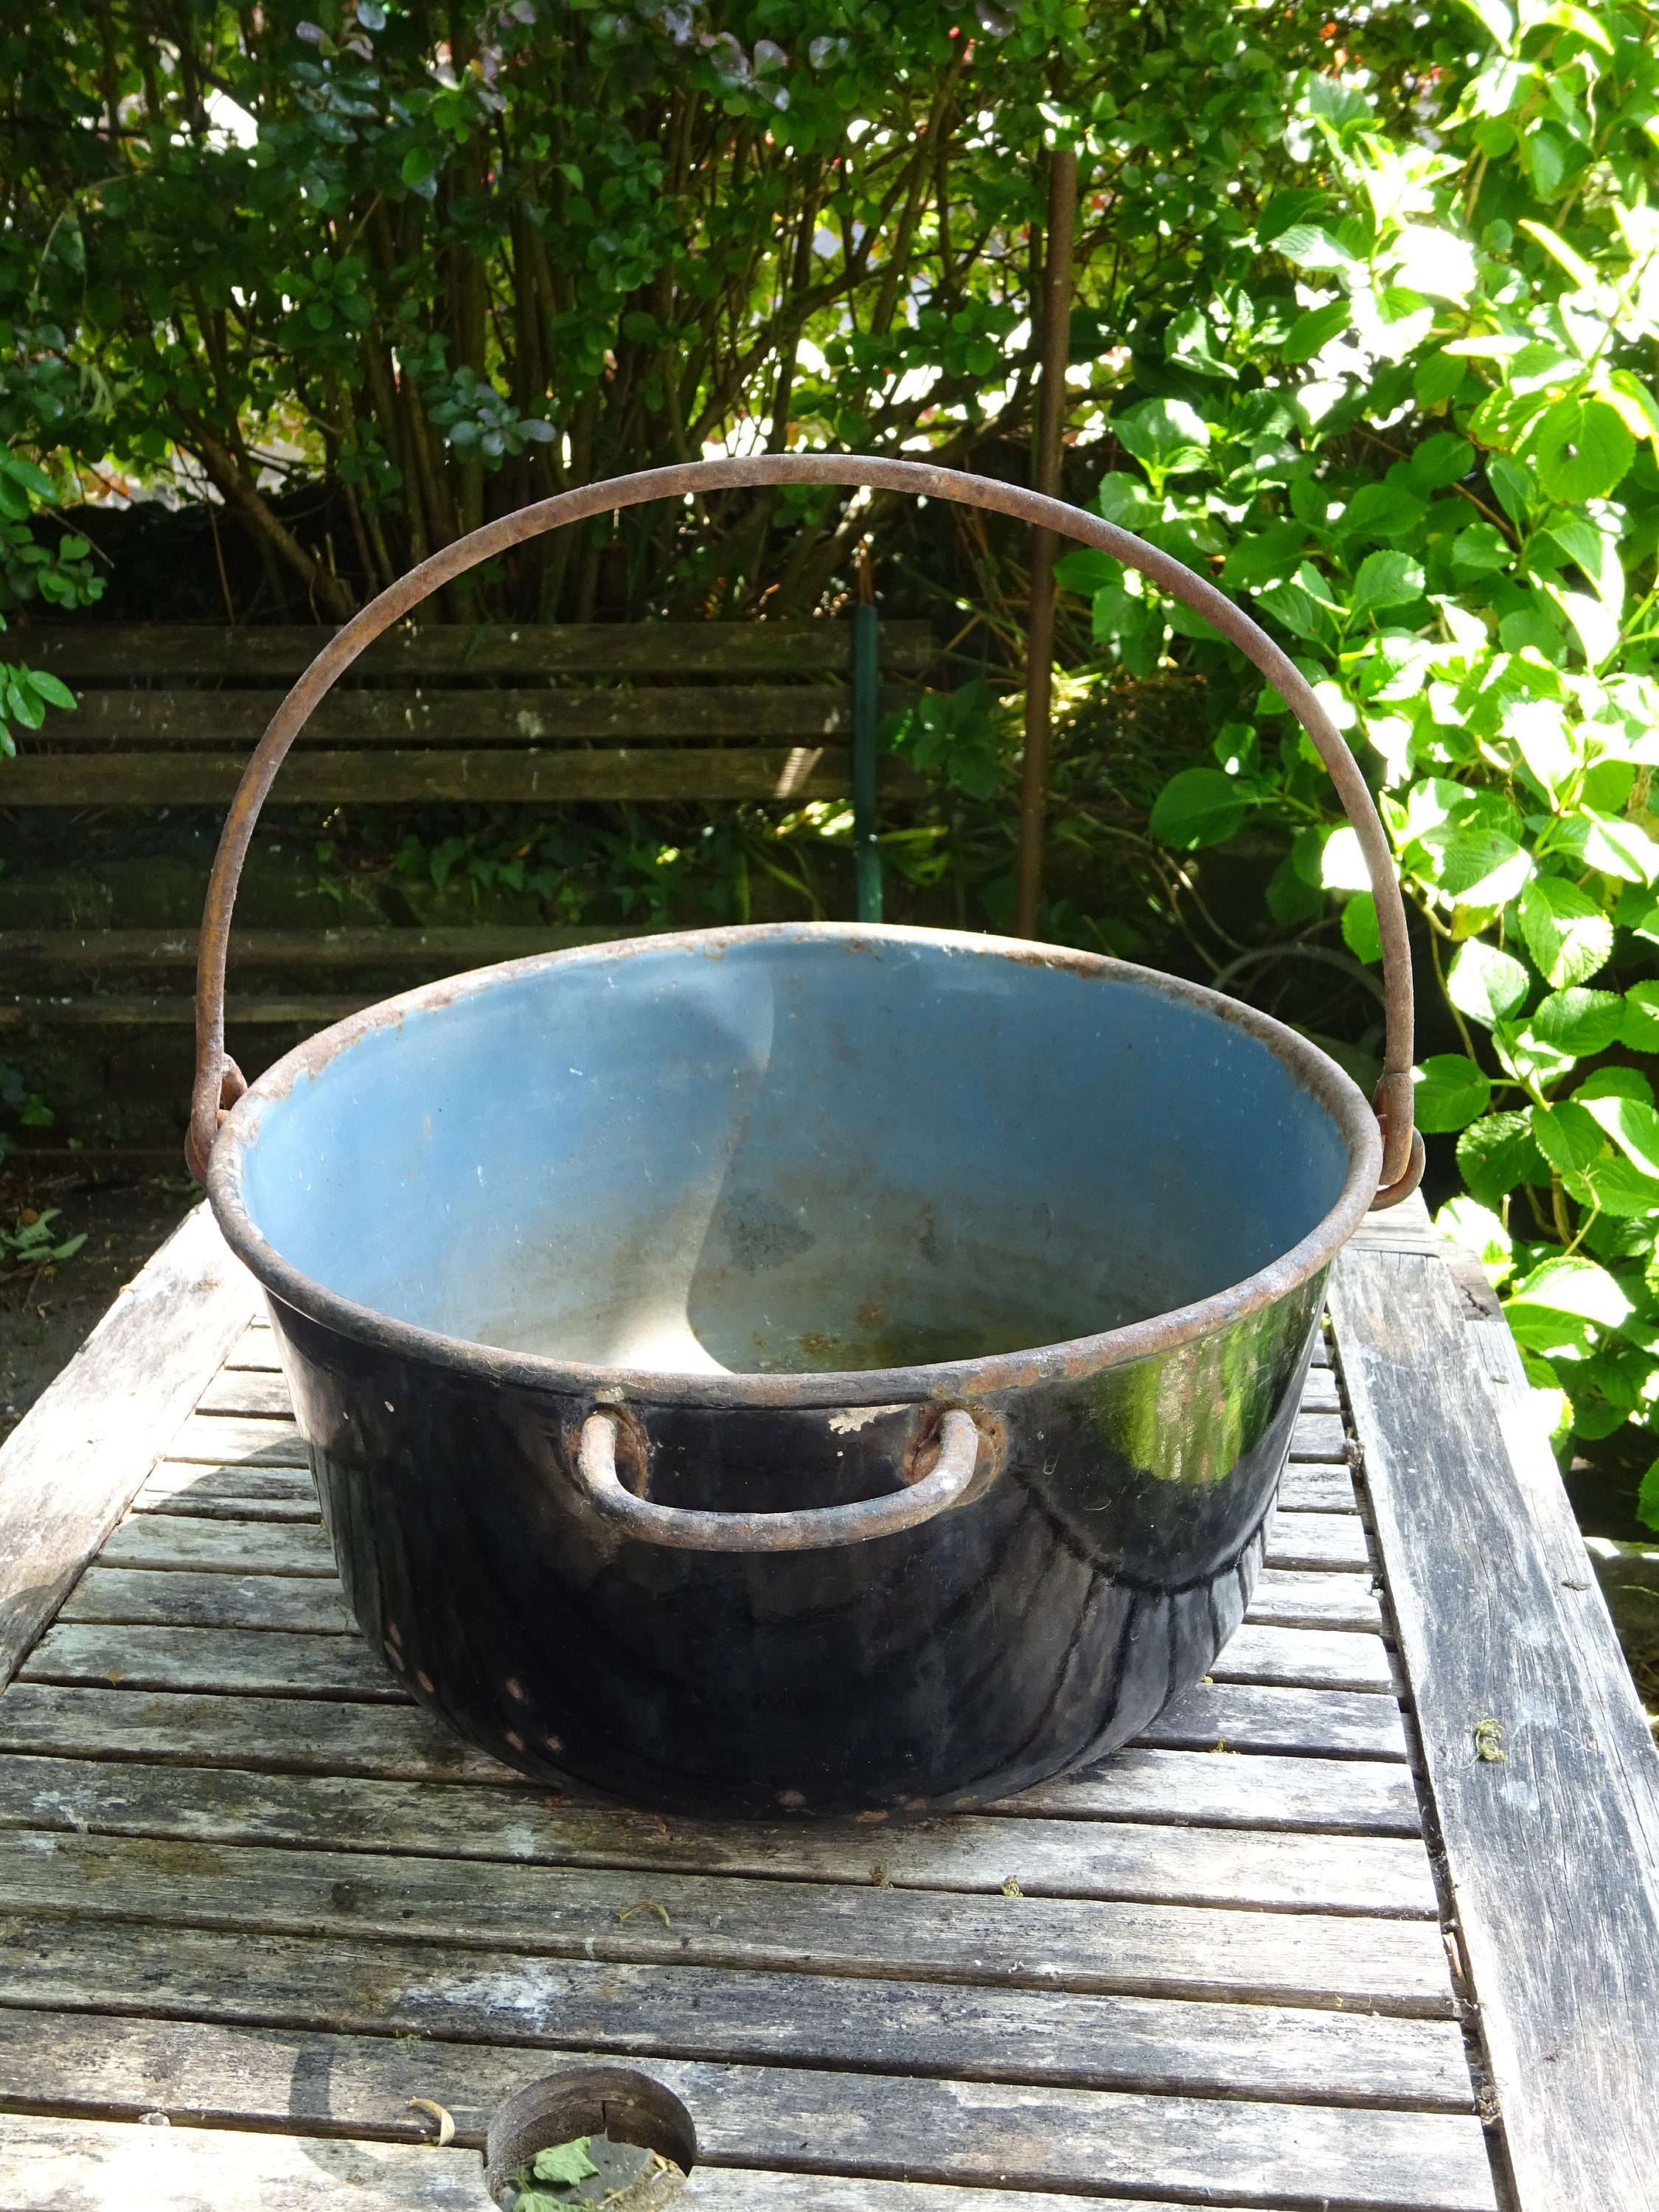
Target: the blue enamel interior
pixel 803 1153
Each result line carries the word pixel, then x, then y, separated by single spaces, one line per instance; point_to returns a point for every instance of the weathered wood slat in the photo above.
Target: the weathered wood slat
pixel 1245 1719
pixel 1235 1716
pixel 189 1503
pixel 236 720
pixel 1334 1540
pixel 134 1597
pixel 867 2125
pixel 256 1349
pixel 750 2015
pixel 297 1735
pixel 122 651
pixel 238 1661
pixel 1311 1488
pixel 235 1391
pixel 1313 1543
pixel 1319 1392
pixel 159 1540
pixel 223 1441
pixel 1309 1658
pixel 116 1010
pixel 1318 1437
pixel 227 1493
pixel 80 2166
pixel 181 1480
pixel 480 1821
pixel 82 1451
pixel 243 1662
pixel 1386 1967
pixel 120 1597
pixel 523 775
pixel 1262 1791
pixel 437 952
pixel 197 1598
pixel 1369 1875
pixel 1550 1847
pixel 1291 1600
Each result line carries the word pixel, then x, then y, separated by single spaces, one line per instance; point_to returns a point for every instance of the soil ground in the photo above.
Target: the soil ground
pixel 47 1312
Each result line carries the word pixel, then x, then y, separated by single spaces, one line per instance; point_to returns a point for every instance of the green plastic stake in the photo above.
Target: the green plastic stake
pixel 866 697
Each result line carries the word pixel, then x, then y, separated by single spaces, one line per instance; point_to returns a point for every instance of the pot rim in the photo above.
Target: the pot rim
pixel 941 1381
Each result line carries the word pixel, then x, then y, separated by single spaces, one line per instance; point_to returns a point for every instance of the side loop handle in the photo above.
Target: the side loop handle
pixel 809 1529
pixel 1400 1153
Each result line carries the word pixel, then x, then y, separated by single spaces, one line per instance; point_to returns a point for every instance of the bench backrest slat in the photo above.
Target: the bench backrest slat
pixel 132 652
pixel 517 776
pixel 235 719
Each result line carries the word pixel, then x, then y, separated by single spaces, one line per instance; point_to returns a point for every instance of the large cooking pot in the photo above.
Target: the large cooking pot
pixel 799 1369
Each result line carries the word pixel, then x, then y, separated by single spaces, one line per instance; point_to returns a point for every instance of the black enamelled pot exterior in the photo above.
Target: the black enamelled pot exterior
pixel 1042 1624
pixel 765 1611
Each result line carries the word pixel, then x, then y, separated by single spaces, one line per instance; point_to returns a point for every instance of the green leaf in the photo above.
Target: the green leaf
pixel 1574 1288
pixel 1647 1498
pixel 1359 930
pixel 1538 730
pixel 1316 328
pixel 564 2163
pixel 21 703
pixel 1305 245
pixel 1169 437
pixel 1292 900
pixel 1569 17
pixel 1293 606
pixel 1481 869
pixel 1386 580
pixel 1481 550
pixel 1386 511
pixel 1581 449
pixel 1634 1125
pixel 1613 1187
pixel 1640 1030
pixel 1579 1022
pixel 1122 499
pixel 1439 376
pixel 418 165
pixel 51 688
pixel 1198 807
pixel 1441 460
pixel 1567 1135
pixel 1486 984
pixel 1566 931
pixel 1451 1092
pixel 1087 570
pixel 1267 558
pixel 1614 845
pixel 1616 1083
pixel 30 478
pixel 1496 1153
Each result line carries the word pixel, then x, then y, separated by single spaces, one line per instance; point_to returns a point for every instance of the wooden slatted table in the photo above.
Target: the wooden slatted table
pixel 1300 1947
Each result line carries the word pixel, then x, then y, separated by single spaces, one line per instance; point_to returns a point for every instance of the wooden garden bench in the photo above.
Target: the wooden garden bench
pixel 776 712
pixel 1369 1920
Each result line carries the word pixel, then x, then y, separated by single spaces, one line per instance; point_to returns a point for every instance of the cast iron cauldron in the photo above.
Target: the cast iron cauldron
pixel 801 1369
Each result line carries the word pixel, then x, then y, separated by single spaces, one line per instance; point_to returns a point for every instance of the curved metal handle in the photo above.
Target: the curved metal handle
pixel 810 1529
pixel 218 1080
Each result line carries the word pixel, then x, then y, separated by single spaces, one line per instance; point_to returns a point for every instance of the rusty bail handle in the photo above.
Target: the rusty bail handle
pixel 216 1079
pixel 808 1529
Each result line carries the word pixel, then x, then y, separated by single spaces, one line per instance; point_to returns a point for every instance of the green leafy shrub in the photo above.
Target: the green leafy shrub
pixel 1419 437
